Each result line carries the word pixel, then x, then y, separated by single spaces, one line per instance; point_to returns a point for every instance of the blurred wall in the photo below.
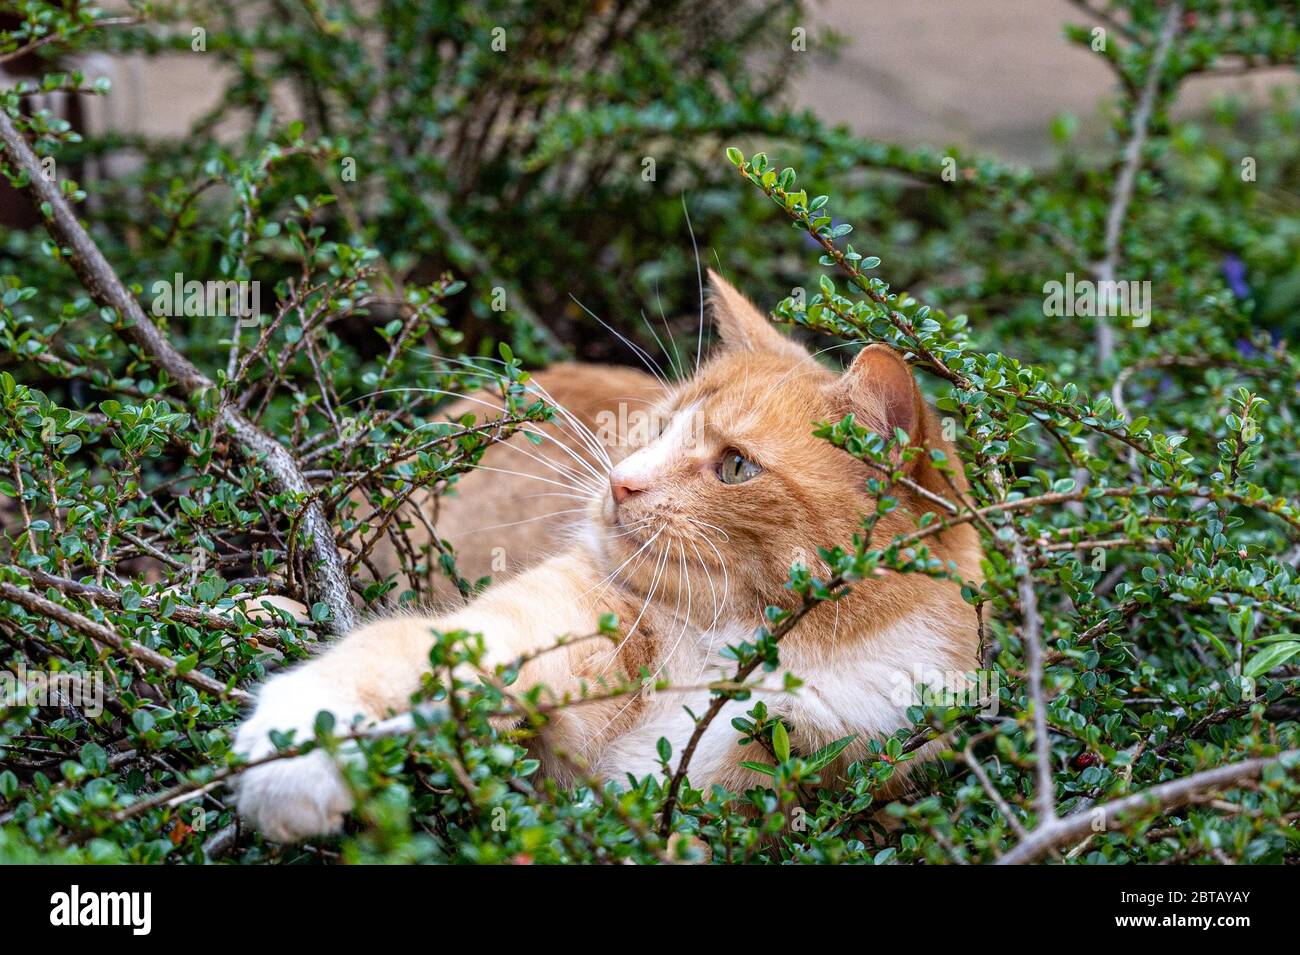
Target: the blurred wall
pixel 987 75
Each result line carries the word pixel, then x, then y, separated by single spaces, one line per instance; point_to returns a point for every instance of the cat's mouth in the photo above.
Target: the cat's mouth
pixel 624 529
pixel 630 529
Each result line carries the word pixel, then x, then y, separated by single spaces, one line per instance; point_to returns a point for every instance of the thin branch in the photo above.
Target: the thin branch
pixel 1086 493
pixel 57 37
pixel 1031 637
pixel 191 615
pixel 973 762
pixel 1104 16
pixel 101 634
pixel 1177 792
pixel 1122 196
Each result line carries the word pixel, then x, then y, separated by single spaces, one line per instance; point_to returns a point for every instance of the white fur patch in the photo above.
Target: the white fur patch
pixel 645 467
pixel 293 798
pixel 862 687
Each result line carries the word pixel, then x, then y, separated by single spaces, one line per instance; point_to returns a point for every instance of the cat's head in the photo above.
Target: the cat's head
pixel 730 483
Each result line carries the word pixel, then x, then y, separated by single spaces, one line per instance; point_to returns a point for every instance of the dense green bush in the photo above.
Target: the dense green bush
pixel 1134 477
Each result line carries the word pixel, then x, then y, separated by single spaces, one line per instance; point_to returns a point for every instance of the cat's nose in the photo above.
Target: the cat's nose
pixel 624 482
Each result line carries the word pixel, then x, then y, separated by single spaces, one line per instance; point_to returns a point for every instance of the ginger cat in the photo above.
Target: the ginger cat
pixel 690 535
pixel 507 515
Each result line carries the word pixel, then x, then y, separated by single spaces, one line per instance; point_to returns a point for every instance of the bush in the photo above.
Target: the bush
pixel 1133 476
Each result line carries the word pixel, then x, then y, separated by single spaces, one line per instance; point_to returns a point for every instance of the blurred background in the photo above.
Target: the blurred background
pixel 989 75
pixel 550 153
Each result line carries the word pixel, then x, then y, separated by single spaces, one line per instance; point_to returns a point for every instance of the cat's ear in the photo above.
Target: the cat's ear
pixel 880 391
pixel 742 326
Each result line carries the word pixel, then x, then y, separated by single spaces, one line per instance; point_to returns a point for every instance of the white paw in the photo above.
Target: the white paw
pixel 293 798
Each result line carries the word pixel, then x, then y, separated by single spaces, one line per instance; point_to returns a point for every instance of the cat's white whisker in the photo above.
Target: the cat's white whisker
pixel 586 465
pixel 682 583
pixel 661 563
pixel 713 593
pixel 632 697
pixel 577 481
pixel 647 359
pixel 668 333
pixel 611 574
pixel 558 467
pixel 583 434
pixel 553 465
pixel 526 520
pixel 722 535
pixel 631 530
pixel 416 389
pixel 569 494
pixel 676 369
pixel 699 277
pixel 565 419
pixel 683 579
pixel 535 477
pixel 722 606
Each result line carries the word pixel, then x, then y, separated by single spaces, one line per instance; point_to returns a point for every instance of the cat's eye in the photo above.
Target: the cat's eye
pixel 735 468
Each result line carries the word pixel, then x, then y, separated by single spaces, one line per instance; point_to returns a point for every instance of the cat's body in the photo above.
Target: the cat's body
pixel 692 537
pixel 521 505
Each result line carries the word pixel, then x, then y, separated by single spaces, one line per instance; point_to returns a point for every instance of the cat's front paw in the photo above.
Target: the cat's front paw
pixel 295 797
pixel 292 799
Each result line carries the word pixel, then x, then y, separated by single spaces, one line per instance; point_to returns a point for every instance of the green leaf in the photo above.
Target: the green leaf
pixel 324 723
pixel 1274 638
pixel 826 755
pixel 781 741
pixel 1241 623
pixel 1266 660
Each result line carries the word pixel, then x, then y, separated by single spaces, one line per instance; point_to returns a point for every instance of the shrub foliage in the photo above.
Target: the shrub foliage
pixel 1134 477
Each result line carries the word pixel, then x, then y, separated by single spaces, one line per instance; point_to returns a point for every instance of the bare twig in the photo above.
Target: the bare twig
pixel 191 615
pixel 1031 637
pixel 1122 196
pixel 1177 792
pixel 108 637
